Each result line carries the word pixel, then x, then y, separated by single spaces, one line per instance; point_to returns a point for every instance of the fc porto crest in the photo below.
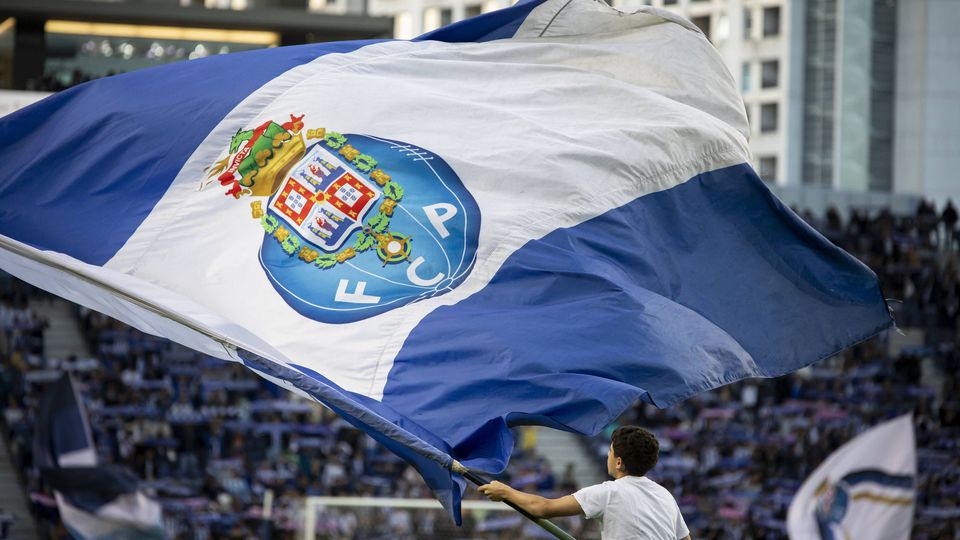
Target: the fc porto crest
pixel 353 225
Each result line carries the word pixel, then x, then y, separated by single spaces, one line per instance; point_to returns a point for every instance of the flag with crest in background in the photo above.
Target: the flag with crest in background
pixel 865 489
pixel 96 501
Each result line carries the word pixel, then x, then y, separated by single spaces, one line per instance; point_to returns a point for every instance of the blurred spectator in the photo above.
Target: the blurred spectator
pixel 949 219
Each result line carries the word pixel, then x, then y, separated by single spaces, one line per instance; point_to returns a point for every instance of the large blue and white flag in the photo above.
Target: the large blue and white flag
pixel 539 215
pixel 96 502
pixel 866 489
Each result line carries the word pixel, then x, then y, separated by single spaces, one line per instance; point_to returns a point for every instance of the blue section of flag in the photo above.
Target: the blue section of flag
pixel 672 294
pixel 67 432
pixel 121 163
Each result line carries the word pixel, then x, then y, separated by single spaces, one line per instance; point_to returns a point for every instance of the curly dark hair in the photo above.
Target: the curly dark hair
pixel 637 447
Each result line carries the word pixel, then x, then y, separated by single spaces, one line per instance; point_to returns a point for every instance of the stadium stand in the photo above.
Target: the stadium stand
pixel 209 438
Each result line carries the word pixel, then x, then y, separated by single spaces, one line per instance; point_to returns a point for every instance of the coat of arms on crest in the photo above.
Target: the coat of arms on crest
pixel 354 225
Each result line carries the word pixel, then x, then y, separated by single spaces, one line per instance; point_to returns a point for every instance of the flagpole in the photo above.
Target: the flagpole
pixel 546 524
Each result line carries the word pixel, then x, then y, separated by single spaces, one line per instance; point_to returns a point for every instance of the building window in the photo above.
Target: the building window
pixel 770 74
pixel 434 18
pixel 703 23
pixel 745 79
pixel 473 11
pixel 771 21
pixel 403 25
pixel 747 23
pixel 491 5
pixel 431 19
pixel 768 117
pixel 768 168
pixel 669 2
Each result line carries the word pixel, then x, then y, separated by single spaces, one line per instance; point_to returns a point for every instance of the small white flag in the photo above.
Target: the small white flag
pixel 863 490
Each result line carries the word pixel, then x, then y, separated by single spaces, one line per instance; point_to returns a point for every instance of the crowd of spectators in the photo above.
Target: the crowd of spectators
pixel 915 257
pixel 209 439
pixel 734 457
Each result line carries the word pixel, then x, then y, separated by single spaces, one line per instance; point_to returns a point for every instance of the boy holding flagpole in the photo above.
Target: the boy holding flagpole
pixel 630 506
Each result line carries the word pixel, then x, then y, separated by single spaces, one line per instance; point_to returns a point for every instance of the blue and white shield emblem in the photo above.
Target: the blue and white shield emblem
pixel 354 225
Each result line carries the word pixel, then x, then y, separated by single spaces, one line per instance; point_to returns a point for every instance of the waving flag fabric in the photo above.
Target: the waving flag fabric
pixel 866 489
pixel 96 501
pixel 538 215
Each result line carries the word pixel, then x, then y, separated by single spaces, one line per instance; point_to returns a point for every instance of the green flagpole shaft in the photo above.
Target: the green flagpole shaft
pixel 546 524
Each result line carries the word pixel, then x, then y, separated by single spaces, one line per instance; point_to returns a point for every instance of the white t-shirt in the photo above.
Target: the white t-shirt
pixel 633 507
